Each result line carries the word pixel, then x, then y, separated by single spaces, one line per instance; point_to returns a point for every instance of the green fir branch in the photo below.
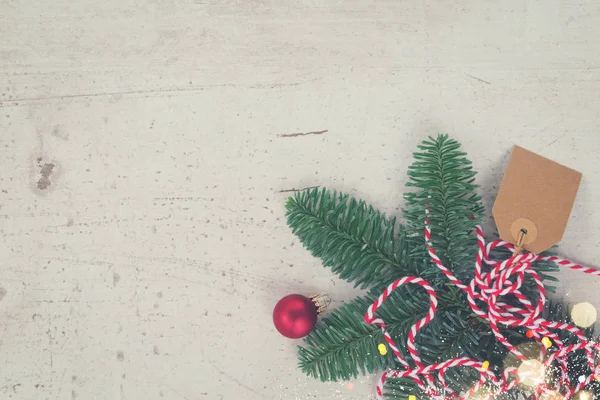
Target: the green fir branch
pixel 461 379
pixel 355 241
pixel 343 345
pixel 443 178
pixel 363 246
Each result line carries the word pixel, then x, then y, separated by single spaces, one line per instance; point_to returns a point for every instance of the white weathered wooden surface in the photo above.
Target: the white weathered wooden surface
pixel 148 266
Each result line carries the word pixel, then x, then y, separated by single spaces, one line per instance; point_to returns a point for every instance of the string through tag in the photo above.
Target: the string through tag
pixel 520 240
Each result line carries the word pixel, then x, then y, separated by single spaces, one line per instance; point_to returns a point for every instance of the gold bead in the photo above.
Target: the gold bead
pixel 546 342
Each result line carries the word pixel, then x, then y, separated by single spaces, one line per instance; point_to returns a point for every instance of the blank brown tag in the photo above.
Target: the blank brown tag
pixel 536 197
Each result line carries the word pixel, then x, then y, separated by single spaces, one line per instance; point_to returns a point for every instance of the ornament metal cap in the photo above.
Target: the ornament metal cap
pixel 321 301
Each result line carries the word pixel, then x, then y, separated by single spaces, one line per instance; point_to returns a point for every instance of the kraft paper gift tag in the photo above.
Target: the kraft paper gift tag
pixel 535 200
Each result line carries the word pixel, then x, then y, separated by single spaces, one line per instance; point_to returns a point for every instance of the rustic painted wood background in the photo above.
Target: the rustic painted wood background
pixel 145 145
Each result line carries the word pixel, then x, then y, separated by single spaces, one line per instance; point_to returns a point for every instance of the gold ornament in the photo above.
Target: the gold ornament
pixel 546 342
pixel 321 301
pixel 382 349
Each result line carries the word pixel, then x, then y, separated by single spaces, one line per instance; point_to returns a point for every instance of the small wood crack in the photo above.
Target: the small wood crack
pixel 298 190
pixel 287 135
pixel 479 79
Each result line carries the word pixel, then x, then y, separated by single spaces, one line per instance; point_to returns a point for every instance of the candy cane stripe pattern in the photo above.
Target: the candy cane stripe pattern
pixel 484 293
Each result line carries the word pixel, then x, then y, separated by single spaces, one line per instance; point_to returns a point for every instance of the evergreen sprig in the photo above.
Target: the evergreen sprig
pixel 443 180
pixel 344 345
pixel 356 241
pixel 464 378
pixel 364 246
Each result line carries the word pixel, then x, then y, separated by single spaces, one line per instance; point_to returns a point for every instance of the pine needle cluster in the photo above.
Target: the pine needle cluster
pixel 371 250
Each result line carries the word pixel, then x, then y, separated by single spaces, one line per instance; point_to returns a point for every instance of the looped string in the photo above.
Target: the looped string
pixel 484 295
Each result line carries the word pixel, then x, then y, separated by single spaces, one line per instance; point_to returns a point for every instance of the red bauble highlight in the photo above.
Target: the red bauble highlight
pixel 295 316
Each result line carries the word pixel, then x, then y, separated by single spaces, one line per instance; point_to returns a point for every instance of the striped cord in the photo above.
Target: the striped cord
pixel 484 295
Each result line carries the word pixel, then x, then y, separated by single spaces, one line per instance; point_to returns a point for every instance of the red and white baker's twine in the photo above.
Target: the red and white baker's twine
pixel 487 288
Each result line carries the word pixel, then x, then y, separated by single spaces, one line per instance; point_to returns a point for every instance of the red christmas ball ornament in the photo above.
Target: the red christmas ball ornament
pixel 295 315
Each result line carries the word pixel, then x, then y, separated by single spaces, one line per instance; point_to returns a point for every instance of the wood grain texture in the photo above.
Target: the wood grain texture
pixel 147 262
